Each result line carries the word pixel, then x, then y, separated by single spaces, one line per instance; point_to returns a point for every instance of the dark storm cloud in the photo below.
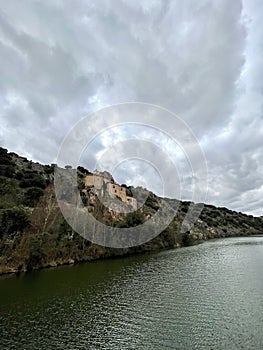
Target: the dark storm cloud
pixel 61 60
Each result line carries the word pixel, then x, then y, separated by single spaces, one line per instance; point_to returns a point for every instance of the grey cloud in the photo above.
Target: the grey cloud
pixel 202 60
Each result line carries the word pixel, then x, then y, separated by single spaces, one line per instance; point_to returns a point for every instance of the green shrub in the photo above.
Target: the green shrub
pixel 36 252
pixel 19 175
pixel 132 219
pixel 32 195
pixel 152 203
pixel 35 181
pixel 5 158
pixel 10 193
pixel 7 170
pixel 48 169
pixel 13 220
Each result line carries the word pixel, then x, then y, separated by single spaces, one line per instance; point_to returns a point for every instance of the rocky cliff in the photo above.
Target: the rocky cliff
pixel 34 234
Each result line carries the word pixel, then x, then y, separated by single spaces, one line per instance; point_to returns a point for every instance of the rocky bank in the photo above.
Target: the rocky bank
pixel 34 234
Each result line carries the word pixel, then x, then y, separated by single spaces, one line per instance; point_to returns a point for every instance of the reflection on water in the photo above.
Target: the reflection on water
pixel 208 296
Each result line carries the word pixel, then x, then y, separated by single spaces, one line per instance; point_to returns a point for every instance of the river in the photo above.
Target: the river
pixel 208 296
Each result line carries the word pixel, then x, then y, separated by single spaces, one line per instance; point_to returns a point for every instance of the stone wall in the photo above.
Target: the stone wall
pixel 131 201
pixel 113 189
pixel 89 180
pixel 94 180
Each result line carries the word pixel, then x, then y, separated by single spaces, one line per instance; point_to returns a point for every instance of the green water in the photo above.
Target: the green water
pixel 208 296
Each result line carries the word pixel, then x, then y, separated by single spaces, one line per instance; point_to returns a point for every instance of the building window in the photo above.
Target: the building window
pixel 115 191
pixel 113 186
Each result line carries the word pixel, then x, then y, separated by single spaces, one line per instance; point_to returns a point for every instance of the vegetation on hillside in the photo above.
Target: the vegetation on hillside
pixel 34 234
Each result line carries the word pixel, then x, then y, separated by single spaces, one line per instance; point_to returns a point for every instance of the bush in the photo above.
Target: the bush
pixel 9 192
pixel 32 195
pixel 36 252
pixel 13 220
pixel 132 219
pixel 48 169
pixel 19 175
pixel 35 181
pixel 83 170
pixel 152 202
pixel 3 152
pixel 7 170
pixel 5 158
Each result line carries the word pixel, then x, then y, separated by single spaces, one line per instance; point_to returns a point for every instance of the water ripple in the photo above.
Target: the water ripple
pixel 203 297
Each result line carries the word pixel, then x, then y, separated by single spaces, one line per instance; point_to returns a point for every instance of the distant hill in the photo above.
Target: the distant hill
pixel 34 234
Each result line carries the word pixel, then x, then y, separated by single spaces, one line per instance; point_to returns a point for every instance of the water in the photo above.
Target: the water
pixel 208 296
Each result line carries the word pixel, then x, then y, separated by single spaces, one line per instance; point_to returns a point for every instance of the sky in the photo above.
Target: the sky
pixel 61 61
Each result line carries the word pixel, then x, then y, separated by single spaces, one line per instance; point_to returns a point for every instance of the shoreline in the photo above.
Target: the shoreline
pixel 113 257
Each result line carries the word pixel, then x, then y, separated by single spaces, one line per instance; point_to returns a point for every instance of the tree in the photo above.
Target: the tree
pixel 32 195
pixel 35 181
pixel 13 220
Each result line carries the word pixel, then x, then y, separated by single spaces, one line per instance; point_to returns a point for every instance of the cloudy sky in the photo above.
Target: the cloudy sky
pixel 202 60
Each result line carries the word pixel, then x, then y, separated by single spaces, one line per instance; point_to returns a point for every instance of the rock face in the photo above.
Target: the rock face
pixel 34 233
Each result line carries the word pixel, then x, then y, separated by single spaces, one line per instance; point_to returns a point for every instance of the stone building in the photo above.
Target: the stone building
pixel 103 182
pixel 132 201
pixel 115 190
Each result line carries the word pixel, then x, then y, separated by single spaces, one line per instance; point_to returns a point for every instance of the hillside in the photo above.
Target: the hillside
pixel 34 234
